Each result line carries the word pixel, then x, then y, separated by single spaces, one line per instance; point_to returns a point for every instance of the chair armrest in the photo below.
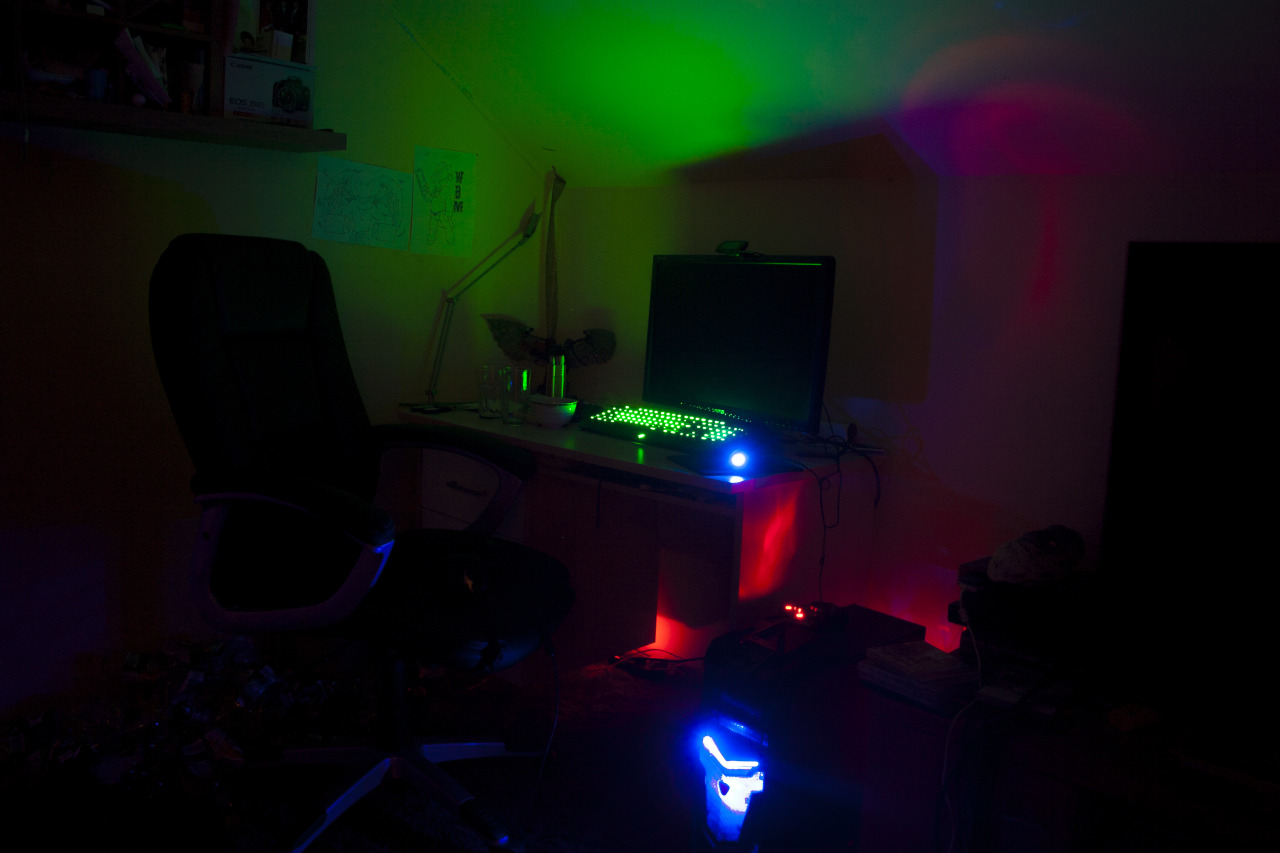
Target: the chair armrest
pixel 354 515
pixel 335 510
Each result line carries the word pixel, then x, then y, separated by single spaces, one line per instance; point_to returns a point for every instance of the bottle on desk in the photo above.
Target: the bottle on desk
pixel 555 376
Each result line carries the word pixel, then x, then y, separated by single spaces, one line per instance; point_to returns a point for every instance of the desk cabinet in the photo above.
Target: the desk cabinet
pixel 643 537
pixel 631 551
pixel 457 490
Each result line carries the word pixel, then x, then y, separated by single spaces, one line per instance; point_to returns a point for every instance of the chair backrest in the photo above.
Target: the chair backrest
pixel 247 341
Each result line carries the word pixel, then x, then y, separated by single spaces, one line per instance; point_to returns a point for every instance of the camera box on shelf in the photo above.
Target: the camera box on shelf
pixel 269 90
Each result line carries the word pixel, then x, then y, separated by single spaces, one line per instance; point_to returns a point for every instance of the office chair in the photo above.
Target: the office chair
pixel 249 348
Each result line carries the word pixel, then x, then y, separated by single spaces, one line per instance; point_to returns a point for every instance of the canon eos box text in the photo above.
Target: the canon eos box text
pixel 269 90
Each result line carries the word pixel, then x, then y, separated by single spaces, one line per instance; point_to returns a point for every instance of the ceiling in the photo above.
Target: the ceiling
pixel 626 92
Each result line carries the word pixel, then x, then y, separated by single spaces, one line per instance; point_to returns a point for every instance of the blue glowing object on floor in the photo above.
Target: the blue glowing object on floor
pixel 731 783
pixel 709 744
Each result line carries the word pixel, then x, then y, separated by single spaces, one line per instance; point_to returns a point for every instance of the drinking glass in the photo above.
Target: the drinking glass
pixel 514 384
pixel 490 391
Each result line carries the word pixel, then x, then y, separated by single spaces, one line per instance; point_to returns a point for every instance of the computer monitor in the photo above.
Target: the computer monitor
pixel 745 336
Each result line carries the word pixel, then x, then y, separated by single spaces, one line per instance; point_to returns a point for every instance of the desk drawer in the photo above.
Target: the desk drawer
pixel 455 489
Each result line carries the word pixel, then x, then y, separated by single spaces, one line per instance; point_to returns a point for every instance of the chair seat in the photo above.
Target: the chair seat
pixel 464 601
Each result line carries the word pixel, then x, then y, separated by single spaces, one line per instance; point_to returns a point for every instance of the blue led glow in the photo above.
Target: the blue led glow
pixel 709 744
pixel 738 459
pixel 730 785
pixel 735 791
pixel 743 729
pixel 383 551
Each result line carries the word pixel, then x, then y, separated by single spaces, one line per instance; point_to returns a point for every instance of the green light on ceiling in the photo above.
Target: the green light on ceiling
pixel 670 82
pixel 655 83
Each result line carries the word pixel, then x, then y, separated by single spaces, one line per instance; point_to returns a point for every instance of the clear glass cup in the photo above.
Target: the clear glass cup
pixel 514 384
pixel 490 389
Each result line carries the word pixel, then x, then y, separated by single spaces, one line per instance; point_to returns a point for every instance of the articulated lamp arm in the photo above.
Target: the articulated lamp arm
pixel 453 294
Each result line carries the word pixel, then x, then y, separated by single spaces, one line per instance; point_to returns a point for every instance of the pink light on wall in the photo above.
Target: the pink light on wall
pixel 1021 104
pixel 921 595
pixel 770 540
pixel 667 634
pixel 671 637
pixel 1048 263
pixel 1046 128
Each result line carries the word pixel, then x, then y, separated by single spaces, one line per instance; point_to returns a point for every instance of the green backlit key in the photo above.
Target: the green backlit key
pixel 662 427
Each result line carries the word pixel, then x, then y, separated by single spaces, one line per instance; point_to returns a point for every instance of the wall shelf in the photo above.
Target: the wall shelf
pixel 50 45
pixel 141 121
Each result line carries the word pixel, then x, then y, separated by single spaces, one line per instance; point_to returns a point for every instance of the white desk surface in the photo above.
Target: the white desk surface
pixel 573 444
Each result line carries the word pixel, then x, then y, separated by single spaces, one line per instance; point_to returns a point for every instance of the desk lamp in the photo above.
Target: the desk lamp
pixel 452 294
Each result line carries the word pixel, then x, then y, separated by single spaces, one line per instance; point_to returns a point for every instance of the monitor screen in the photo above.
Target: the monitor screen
pixel 746 336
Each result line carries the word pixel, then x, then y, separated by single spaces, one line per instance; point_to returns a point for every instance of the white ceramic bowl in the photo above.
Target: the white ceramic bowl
pixel 551 412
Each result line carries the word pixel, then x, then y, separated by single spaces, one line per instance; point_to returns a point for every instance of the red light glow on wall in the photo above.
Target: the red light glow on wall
pixel 770 540
pixel 673 637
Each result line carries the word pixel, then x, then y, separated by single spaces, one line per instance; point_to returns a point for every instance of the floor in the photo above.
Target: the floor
pixel 165 762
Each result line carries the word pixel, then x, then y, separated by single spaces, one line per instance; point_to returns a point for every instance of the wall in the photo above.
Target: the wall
pixel 980 312
pixel 1004 426
pixel 95 516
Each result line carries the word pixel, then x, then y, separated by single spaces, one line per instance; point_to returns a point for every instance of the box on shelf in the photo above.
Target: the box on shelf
pixel 276 29
pixel 269 90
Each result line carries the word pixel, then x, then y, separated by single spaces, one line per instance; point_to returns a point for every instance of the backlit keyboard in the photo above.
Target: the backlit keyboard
pixel 661 427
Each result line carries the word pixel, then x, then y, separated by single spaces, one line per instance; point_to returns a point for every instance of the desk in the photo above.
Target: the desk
pixel 656 553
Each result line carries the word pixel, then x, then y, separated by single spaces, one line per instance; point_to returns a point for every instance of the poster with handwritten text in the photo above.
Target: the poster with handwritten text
pixel 443 202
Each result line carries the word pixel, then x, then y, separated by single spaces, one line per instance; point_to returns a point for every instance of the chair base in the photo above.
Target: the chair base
pixel 417 764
